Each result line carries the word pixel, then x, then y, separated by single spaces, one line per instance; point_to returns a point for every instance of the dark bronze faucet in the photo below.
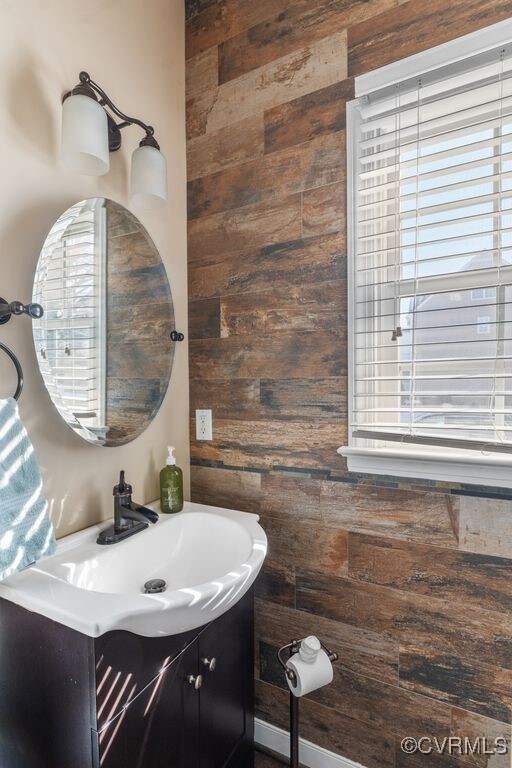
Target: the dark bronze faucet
pixel 129 517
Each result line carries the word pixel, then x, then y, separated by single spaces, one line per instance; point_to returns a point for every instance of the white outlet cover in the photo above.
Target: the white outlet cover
pixel 204 429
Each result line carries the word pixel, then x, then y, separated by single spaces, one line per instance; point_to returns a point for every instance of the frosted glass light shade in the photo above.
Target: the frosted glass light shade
pixel 148 178
pixel 84 146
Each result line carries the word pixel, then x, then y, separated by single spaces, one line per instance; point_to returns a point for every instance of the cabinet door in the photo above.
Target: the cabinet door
pixel 226 717
pixel 120 656
pixel 158 728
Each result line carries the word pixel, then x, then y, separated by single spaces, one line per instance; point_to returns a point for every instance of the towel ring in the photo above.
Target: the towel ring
pixel 19 369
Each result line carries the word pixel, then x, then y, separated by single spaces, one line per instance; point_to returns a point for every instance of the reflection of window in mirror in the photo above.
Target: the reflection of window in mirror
pixel 72 331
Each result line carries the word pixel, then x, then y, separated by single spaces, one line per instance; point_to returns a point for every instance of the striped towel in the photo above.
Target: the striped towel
pixel 26 532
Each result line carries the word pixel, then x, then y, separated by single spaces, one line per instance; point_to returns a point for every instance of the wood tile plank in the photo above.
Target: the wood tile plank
pixel 301 24
pixel 290 497
pixel 230 398
pixel 221 19
pixel 410 515
pixel 426 570
pixel 305 308
pixel 251 227
pixel 282 265
pixel 204 319
pixel 201 88
pixel 313 164
pixel 324 210
pixel 313 67
pixel 485 525
pixel 312 398
pixel 265 444
pixel 197 109
pixel 202 73
pixel 276 583
pixel 360 650
pixel 478 687
pixel 316 114
pixel 192 7
pixel 228 488
pixel 315 547
pixel 387 707
pixel 233 144
pixel 286 354
pixel 416 26
pixel 468 725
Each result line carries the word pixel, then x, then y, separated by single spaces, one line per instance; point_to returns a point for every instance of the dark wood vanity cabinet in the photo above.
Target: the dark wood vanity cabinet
pixel 126 701
pixel 223 711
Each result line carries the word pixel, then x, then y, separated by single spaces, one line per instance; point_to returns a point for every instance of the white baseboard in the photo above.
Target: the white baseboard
pixel 278 740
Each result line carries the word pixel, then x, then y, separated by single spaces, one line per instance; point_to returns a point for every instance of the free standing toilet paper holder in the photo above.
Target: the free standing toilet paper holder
pixel 293 648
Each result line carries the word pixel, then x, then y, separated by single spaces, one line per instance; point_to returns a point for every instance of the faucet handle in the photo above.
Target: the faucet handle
pixel 122 488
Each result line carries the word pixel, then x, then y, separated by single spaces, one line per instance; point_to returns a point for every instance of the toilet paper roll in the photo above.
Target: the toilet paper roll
pixel 309 675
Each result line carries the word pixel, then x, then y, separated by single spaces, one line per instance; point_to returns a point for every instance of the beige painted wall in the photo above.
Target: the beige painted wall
pixel 135 50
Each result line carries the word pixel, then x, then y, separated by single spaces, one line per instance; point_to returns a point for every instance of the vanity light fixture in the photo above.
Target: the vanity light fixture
pixel 90 132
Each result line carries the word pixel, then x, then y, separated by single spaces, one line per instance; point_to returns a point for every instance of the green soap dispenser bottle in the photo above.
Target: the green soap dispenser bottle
pixel 171 485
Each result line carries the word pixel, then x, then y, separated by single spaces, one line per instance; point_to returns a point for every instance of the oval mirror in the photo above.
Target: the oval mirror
pixel 103 344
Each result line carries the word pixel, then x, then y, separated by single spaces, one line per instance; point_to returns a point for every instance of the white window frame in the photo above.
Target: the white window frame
pixel 487 293
pixel 445 465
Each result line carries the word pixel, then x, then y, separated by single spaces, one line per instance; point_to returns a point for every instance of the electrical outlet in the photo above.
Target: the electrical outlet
pixel 204 424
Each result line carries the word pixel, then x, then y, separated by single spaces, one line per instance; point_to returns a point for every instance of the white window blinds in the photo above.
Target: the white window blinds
pixel 70 285
pixel 432 258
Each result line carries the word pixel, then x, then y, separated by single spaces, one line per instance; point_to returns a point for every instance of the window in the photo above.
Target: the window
pixel 430 185
pixel 484 324
pixel 480 294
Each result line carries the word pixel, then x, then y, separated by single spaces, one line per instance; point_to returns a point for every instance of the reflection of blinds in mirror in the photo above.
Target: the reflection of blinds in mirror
pixel 70 284
pixel 432 302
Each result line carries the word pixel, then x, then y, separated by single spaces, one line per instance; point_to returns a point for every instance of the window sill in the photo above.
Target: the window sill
pixel 480 469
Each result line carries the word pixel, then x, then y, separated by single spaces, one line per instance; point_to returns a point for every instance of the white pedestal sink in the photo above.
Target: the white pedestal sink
pixel 208 557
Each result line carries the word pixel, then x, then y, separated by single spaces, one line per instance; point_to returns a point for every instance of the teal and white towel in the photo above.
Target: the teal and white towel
pixel 26 532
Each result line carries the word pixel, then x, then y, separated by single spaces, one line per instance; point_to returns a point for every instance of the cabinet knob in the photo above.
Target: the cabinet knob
pixel 210 664
pixel 195 680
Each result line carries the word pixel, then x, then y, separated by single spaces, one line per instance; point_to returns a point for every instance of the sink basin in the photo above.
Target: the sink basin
pixel 207 556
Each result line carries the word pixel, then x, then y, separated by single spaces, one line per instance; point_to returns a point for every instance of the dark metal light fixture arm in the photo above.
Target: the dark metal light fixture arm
pixel 85 78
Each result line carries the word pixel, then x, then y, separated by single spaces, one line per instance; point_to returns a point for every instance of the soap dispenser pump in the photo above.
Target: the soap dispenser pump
pixel 171 485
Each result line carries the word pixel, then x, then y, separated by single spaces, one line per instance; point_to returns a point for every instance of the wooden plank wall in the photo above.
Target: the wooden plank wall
pixel 410 583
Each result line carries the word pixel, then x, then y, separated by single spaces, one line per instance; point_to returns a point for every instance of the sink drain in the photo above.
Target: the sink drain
pixel 153 586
